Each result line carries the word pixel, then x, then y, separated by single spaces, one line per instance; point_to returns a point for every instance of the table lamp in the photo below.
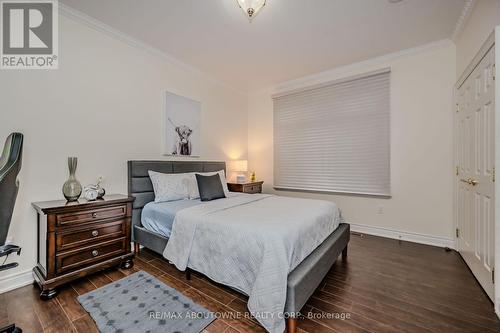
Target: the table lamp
pixel 240 167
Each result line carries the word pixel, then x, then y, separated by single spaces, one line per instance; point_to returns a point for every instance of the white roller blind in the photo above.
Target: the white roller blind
pixel 335 137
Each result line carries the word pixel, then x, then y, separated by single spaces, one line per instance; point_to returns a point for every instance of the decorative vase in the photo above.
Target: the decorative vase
pixel 72 189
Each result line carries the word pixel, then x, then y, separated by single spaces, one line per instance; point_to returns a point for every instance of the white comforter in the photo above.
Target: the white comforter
pixel 251 243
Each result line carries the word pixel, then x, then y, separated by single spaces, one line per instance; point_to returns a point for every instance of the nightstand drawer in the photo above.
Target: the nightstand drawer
pixel 252 189
pixel 85 256
pixel 95 233
pixel 91 215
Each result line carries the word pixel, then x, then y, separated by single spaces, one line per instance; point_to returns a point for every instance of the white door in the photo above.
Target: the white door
pixel 475 174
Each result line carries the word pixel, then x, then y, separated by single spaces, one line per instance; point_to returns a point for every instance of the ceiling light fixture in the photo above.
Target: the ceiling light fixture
pixel 251 7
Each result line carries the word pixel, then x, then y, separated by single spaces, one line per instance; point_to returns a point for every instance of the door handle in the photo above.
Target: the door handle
pixel 469 181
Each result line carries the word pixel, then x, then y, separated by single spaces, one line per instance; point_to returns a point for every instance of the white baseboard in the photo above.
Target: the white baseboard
pixel 404 235
pixel 497 306
pixel 14 281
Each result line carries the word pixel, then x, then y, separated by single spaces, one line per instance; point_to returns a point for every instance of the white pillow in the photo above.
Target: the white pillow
pixel 170 186
pixel 194 193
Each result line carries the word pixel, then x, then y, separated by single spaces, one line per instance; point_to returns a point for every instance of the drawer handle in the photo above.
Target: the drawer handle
pixel 94 215
pixel 95 253
pixel 95 233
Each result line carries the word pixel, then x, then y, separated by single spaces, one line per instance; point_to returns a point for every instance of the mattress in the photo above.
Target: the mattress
pixel 251 242
pixel 159 217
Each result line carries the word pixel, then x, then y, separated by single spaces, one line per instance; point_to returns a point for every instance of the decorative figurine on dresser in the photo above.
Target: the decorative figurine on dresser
pixel 77 238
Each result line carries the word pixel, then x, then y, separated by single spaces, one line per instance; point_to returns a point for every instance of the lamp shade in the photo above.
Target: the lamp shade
pixel 251 7
pixel 238 165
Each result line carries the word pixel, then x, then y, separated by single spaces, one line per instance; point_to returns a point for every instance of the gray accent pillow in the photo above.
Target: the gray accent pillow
pixel 210 187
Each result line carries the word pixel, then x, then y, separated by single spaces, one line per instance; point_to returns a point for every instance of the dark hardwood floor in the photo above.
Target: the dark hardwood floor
pixel 385 286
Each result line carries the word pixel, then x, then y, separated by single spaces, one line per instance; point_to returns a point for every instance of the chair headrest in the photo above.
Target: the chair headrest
pixel 12 154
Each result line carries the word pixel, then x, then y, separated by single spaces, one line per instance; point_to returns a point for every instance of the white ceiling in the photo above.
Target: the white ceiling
pixel 288 39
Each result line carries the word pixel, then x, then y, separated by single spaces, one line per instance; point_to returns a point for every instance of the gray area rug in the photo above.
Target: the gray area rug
pixel 142 303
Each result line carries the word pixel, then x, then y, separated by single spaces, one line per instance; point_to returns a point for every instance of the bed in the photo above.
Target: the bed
pixel 301 281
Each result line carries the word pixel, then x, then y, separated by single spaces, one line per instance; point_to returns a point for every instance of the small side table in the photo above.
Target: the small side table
pixel 253 187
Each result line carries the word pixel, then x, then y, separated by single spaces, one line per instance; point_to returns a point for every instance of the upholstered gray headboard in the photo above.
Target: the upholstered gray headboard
pixel 139 184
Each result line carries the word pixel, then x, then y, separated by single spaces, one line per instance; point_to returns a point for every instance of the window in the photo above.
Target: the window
pixel 335 137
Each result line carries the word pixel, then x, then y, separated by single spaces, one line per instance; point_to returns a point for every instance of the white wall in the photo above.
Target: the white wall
pixel 421 144
pixel 481 23
pixel 104 106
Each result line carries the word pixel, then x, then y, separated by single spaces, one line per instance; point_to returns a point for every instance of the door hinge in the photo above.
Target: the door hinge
pixel 493 275
pixel 456 171
pixel 493 174
pixel 494 72
pixel 457 107
pixel 457 232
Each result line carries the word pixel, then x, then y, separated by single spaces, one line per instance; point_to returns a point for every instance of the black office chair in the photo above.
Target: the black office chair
pixel 10 165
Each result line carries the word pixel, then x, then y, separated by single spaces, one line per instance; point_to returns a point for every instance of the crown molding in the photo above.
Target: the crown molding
pixel 463 18
pixel 102 27
pixel 485 48
pixel 330 83
pixel 353 69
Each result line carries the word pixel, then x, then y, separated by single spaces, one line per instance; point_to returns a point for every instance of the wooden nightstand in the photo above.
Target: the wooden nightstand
pixel 254 187
pixel 79 238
